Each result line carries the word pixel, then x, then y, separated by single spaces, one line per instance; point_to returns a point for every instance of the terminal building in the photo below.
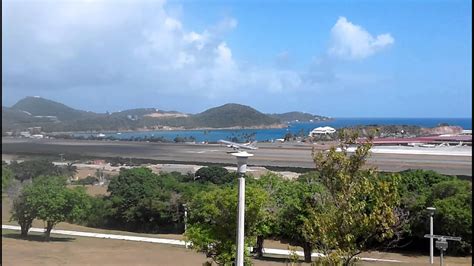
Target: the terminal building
pixel 319 131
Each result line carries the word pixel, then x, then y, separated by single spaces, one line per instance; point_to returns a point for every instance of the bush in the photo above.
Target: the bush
pixel 6 177
pixel 450 196
pixel 213 174
pixel 99 214
pixel 453 217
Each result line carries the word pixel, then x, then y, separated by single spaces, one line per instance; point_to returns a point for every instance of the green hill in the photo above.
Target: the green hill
pixel 300 116
pixel 57 117
pixel 19 120
pixel 232 115
pixel 38 106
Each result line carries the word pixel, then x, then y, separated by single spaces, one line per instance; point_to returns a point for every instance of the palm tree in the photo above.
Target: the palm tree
pixel 71 170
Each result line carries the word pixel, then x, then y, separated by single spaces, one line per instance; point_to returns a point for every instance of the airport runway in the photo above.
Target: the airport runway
pixel 268 154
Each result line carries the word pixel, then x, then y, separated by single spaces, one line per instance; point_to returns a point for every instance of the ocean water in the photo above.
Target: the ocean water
pixel 243 135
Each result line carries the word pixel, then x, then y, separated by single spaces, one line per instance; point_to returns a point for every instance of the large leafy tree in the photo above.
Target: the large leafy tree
pixel 296 211
pixel 212 221
pixel 48 199
pixel 286 211
pixel 273 184
pixel 355 207
pixel 142 200
pixel 27 170
pixel 23 211
pixel 55 203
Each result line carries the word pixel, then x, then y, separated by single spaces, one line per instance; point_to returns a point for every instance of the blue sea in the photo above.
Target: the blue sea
pixel 243 135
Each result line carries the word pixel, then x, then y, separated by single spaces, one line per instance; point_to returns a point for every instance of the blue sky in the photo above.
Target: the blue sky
pixel 335 58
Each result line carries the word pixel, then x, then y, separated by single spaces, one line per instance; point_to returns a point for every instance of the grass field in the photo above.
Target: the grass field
pixel 63 250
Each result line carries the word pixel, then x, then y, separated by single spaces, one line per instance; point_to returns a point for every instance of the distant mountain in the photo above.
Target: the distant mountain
pixel 37 106
pixel 57 117
pixel 233 115
pixel 15 119
pixel 298 116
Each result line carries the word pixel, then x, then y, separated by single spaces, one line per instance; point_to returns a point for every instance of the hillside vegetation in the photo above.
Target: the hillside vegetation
pixel 57 117
pixel 37 106
pixel 298 116
pixel 231 115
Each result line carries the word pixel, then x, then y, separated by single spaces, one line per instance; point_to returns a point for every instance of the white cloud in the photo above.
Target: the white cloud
pixel 172 24
pixel 198 39
pixel 350 41
pixel 140 46
pixel 224 56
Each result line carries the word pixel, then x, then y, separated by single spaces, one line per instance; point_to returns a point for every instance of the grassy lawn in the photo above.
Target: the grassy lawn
pixel 65 250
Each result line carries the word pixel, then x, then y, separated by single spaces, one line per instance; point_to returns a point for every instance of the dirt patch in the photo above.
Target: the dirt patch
pixel 83 172
pixel 9 157
pixel 166 115
pixel 93 190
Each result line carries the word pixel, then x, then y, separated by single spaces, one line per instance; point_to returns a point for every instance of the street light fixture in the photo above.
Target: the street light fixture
pixel 242 158
pixel 431 211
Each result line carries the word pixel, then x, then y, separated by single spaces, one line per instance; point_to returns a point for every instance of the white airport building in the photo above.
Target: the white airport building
pixel 321 131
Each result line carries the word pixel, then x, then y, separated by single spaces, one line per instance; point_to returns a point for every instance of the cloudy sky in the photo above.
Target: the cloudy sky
pixel 344 59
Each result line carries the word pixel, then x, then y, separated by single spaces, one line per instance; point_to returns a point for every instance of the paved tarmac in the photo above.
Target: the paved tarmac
pixel 268 154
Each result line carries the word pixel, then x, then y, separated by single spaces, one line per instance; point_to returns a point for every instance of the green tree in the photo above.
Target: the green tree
pixel 142 200
pixel 268 226
pixel 295 212
pixel 453 202
pixel 23 210
pixel 99 214
pixel 356 206
pixel 415 188
pixel 31 169
pixel 213 174
pixel 285 213
pixel 55 203
pixel 212 221
pixel 7 175
pixel 70 170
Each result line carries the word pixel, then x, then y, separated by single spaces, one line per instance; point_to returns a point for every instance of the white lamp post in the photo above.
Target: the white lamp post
pixel 431 211
pixel 241 169
pixel 185 221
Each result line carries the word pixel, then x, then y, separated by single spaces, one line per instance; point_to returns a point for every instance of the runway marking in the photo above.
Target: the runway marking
pixel 204 151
